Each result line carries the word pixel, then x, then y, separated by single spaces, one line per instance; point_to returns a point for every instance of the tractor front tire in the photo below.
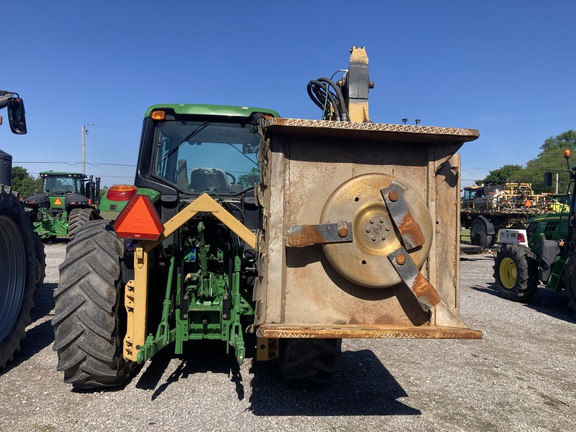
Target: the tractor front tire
pixel 516 272
pixel 19 278
pixel 309 362
pixel 89 320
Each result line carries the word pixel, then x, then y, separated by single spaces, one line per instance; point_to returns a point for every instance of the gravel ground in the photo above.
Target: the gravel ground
pixel 520 377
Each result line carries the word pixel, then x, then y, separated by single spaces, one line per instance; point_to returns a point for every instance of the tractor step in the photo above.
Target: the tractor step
pixel 554 282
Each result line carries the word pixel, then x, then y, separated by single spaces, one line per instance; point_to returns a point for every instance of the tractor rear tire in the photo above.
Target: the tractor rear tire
pixel 90 320
pixel 570 282
pixel 78 218
pixel 19 278
pixel 309 362
pixel 516 272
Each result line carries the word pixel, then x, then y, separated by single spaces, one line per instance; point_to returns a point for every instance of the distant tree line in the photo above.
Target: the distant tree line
pixel 551 158
pixel 23 183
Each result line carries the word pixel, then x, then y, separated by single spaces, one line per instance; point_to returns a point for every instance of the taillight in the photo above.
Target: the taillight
pixel 139 220
pixel 121 192
pixel 521 238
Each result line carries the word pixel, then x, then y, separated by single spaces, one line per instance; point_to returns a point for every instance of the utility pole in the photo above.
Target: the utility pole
pixel 84 132
pixel 83 149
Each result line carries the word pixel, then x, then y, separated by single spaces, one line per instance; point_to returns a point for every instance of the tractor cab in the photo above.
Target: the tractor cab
pixel 198 156
pixel 63 196
pixel 189 149
pixel 62 183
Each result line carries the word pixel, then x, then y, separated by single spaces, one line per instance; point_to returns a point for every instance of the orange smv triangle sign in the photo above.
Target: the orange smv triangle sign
pixel 139 220
pixel 57 201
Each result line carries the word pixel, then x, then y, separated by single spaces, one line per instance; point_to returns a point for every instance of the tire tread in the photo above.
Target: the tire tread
pixel 88 306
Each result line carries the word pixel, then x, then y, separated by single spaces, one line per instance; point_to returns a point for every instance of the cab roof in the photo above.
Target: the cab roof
pixel 220 110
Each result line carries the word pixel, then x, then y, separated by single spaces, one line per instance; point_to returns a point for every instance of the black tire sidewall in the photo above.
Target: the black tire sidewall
pixel 11 207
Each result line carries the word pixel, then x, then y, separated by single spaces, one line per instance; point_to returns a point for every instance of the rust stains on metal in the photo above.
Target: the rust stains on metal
pixel 307 235
pixel 401 259
pixel 422 289
pixel 303 235
pixel 410 230
pixel 342 230
pixel 365 331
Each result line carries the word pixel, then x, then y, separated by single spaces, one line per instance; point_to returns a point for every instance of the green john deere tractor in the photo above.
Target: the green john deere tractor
pixel 267 235
pixel 66 202
pixel 549 258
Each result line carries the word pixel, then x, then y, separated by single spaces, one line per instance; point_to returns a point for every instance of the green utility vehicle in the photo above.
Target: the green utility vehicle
pixel 66 202
pixel 22 258
pixel 550 256
pixel 267 235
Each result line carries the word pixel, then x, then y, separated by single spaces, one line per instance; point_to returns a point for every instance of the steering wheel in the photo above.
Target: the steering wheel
pixel 232 178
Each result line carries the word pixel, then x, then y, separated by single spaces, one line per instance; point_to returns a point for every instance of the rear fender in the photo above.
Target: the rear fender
pixel 110 209
pixel 490 230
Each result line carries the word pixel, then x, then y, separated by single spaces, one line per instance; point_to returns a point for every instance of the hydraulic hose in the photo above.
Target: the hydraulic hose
pixel 328 97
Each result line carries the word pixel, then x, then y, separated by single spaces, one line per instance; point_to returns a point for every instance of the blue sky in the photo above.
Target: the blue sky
pixel 507 68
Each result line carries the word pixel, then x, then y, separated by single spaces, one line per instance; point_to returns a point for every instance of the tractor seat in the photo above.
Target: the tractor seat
pixel 209 179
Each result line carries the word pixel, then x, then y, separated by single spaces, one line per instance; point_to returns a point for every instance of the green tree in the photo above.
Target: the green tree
pixel 501 175
pixel 551 158
pixel 566 140
pixel 24 183
pixel 248 180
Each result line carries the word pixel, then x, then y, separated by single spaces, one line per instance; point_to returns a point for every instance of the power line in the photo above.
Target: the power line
pixel 109 164
pixel 103 175
pixel 77 163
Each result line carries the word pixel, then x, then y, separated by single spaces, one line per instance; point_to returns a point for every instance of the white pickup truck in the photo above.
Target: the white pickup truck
pixel 513 236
